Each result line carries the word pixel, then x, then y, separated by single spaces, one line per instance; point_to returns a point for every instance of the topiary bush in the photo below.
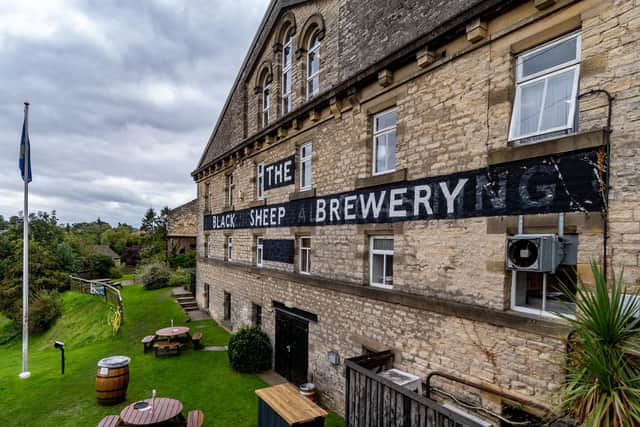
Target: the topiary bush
pixel 154 276
pixel 250 351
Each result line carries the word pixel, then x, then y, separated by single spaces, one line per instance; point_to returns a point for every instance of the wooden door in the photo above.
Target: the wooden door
pixel 292 340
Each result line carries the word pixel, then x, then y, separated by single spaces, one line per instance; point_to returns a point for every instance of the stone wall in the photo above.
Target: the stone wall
pixel 453 116
pixel 183 220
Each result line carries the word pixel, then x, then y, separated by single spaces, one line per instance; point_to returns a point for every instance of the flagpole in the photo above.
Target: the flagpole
pixel 25 251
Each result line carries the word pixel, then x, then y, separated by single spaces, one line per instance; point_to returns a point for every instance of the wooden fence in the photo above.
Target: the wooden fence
pixel 374 401
pixel 100 288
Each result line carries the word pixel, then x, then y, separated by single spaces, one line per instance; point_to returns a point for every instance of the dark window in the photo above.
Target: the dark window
pixel 227 306
pixel 257 315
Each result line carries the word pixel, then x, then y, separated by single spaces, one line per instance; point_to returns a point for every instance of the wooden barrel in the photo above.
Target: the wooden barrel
pixel 308 390
pixel 112 380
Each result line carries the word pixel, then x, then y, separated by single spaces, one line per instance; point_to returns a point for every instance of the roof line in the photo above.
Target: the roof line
pixel 252 47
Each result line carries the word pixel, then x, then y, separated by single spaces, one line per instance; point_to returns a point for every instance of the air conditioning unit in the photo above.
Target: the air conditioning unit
pixel 540 253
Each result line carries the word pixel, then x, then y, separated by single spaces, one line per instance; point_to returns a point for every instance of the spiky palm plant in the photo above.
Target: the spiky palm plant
pixel 602 386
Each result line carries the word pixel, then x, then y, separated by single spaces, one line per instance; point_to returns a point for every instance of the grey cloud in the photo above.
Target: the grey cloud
pixel 124 96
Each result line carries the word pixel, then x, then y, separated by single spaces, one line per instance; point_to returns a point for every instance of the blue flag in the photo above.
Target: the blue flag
pixel 25 150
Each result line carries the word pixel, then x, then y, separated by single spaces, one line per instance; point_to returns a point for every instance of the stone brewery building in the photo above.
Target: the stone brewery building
pixel 182 227
pixel 418 177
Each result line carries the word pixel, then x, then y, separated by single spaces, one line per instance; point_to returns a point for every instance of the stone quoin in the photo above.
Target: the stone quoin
pixel 366 205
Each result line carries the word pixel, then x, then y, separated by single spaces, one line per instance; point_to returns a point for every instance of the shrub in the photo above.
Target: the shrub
pixel 154 276
pixel 115 273
pixel 602 387
pixel 98 266
pixel 185 260
pixel 44 309
pixel 250 351
pixel 180 278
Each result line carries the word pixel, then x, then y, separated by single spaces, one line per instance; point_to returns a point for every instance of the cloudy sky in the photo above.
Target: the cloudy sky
pixel 124 95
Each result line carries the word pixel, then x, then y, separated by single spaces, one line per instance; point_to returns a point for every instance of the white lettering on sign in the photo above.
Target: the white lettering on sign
pixel 279 173
pixel 451 196
pixel 265 217
pixel 396 202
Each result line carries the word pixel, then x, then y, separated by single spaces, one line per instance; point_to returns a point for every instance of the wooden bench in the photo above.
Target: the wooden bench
pixel 109 421
pixel 195 339
pixel 195 418
pixel 163 349
pixel 148 342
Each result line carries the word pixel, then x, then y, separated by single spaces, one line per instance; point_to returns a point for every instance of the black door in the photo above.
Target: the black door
pixel 291 347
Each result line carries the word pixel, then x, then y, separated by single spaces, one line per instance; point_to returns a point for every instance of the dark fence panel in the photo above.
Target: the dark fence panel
pixel 374 401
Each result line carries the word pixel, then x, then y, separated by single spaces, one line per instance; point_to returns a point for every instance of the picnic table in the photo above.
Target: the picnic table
pixel 282 405
pixel 173 331
pixel 159 410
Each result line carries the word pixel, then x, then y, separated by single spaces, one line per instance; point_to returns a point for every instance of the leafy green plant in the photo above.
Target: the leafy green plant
pixel 602 386
pixel 154 276
pixel 250 351
pixel 179 278
pixel 115 273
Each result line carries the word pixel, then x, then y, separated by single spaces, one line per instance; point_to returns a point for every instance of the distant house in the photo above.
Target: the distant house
pixel 182 228
pixel 106 250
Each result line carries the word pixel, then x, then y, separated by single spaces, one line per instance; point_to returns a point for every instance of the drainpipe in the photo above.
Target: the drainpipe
pixel 607 148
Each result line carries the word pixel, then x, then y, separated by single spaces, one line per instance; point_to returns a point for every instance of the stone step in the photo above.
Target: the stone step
pixel 185 298
pixel 187 301
pixel 191 308
pixel 190 305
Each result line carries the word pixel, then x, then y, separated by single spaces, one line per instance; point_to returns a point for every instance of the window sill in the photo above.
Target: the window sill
pixel 561 144
pixel 258 203
pixel 227 209
pixel 388 178
pixel 305 194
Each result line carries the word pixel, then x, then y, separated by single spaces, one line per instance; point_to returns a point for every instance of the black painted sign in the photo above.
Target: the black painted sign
pixel 280 250
pixel 280 173
pixel 564 182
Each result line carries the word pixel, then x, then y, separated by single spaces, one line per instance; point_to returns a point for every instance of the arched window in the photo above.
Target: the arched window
pixel 286 71
pixel 265 100
pixel 313 65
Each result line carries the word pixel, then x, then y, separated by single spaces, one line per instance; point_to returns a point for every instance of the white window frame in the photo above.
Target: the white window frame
pixel 209 253
pixel 305 269
pixel 382 132
pixel 230 186
pixel 315 49
pixel 522 82
pixel 384 253
pixel 260 181
pixel 266 102
pixel 259 252
pixel 542 312
pixel 287 71
pixel 210 196
pixel 303 160
pixel 229 248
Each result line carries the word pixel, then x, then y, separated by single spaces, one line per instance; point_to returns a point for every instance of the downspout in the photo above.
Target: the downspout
pixel 606 172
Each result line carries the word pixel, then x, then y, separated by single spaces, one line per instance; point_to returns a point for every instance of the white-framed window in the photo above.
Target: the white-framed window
pixel 260 181
pixel 230 190
pixel 313 66
pixel 381 261
pixel 209 248
pixel 547 79
pixel 286 71
pixel 210 197
pixel 305 255
pixel 229 248
pixel 542 293
pixel 266 88
pixel 259 251
pixel 206 247
pixel 306 153
pixel 384 141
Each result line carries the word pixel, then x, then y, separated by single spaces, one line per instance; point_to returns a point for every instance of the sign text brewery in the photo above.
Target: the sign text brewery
pixel 556 183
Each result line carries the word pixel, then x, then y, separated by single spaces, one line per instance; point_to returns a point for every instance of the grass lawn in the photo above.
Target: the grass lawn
pixel 200 379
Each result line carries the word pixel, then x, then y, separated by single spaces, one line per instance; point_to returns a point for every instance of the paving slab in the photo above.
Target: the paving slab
pixel 272 378
pixel 215 348
pixel 180 291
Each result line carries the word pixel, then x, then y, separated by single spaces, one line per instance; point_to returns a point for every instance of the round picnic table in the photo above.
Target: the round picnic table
pixel 161 409
pixel 172 331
